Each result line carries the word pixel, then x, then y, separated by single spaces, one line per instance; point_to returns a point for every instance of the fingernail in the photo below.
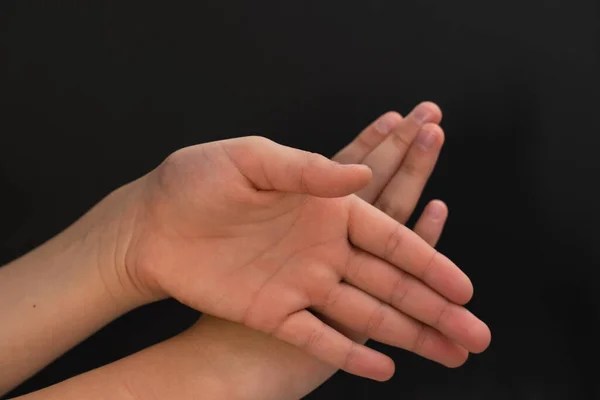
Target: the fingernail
pixel 385 124
pixel 422 114
pixel 426 139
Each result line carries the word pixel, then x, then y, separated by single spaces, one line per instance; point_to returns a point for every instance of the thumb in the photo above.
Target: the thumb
pixel 271 166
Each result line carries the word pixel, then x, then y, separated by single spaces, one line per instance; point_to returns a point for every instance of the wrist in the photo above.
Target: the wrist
pixel 102 237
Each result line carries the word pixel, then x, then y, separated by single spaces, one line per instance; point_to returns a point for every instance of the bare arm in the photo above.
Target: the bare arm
pixel 224 360
pixel 215 359
pixel 57 295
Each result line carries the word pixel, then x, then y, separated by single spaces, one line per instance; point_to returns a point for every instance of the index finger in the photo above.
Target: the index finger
pixel 385 160
pixel 375 232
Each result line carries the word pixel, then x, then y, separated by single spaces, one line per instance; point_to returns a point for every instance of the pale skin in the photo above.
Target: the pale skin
pixel 191 220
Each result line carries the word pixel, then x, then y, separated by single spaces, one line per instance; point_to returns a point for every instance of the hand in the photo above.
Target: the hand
pixel 235 229
pixel 402 155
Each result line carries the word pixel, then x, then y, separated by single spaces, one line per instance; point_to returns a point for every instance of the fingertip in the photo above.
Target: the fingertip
pixel 368 175
pixel 442 136
pixel 461 358
pixel 436 132
pixel 387 122
pixel 366 171
pixel 430 139
pixel 394 114
pixel 385 371
pixel 484 338
pixel 468 291
pixel 371 364
pixel 450 280
pixel 434 109
pixel 437 210
pixel 362 174
pixel 351 179
pixel 462 292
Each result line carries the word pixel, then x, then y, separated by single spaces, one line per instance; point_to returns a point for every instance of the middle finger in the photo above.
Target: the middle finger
pixel 401 194
pixel 387 157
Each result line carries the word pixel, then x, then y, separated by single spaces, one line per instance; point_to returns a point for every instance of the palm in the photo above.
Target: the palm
pixel 289 249
pixel 274 276
pixel 256 233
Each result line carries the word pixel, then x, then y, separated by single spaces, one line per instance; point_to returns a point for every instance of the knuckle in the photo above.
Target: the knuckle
pixel 429 267
pixel 310 162
pixel 132 388
pixel 366 140
pixel 393 242
pixel 443 313
pixel 353 268
pixel 420 338
pixel 375 321
pixel 400 140
pixel 169 171
pixel 400 291
pixel 332 298
pixel 255 141
pixel 350 356
pixel 314 158
pixel 184 168
pixel 314 339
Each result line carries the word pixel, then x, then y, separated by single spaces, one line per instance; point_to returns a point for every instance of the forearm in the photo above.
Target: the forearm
pixel 250 364
pixel 100 384
pixel 214 359
pixel 54 297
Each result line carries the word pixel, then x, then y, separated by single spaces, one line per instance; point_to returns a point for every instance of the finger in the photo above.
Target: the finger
pixel 400 196
pixel 376 233
pixel 271 166
pixel 387 157
pixel 413 298
pixel 353 308
pixel 368 139
pixel 431 223
pixel 304 330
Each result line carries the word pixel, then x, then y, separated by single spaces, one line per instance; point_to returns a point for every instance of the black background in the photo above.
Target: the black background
pixel 94 93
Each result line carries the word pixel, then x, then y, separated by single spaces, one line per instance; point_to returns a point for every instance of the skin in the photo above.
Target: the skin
pixel 167 251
